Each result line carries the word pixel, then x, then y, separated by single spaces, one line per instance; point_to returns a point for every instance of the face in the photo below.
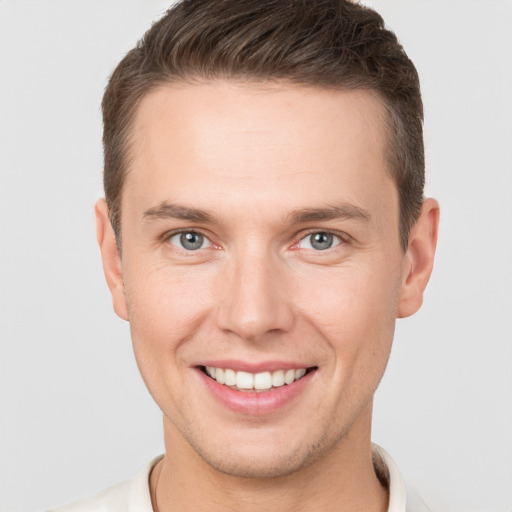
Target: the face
pixel 260 249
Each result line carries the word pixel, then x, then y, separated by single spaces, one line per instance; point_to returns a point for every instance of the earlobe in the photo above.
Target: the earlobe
pixel 111 258
pixel 419 259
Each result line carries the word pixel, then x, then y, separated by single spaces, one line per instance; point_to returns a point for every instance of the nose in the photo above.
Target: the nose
pixel 255 297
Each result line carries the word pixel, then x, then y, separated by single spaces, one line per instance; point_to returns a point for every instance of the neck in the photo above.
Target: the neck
pixel 344 479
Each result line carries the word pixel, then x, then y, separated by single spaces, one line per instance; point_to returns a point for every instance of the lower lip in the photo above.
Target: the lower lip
pixel 255 403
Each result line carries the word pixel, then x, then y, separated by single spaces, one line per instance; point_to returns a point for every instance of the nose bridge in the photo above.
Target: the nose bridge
pixel 255 298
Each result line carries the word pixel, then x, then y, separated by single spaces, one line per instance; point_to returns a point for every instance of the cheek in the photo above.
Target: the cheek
pixel 350 296
pixel 355 311
pixel 165 309
pixel 165 300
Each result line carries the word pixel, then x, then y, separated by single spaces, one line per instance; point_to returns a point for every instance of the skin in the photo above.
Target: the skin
pixel 252 157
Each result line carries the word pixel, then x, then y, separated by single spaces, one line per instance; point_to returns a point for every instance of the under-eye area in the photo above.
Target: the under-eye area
pixel 255 382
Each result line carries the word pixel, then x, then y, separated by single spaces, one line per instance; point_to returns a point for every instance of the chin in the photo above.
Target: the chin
pixel 257 467
pixel 262 462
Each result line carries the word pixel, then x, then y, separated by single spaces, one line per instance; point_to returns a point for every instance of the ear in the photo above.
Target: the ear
pixel 111 258
pixel 419 259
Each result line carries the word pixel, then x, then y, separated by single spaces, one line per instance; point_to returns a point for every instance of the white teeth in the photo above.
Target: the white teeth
pixel 259 381
pixel 219 375
pixel 278 378
pixel 263 380
pixel 244 380
pixel 289 376
pixel 229 377
pixel 300 373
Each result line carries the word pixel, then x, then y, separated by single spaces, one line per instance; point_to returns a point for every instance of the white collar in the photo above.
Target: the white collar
pixel 401 499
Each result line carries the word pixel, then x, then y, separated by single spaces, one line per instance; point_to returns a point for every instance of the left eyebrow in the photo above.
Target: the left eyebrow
pixel 341 211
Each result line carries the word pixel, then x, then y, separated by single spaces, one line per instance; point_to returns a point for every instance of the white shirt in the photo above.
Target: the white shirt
pixel 133 495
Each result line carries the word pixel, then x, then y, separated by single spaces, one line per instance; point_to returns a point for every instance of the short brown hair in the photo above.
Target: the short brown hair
pixel 334 44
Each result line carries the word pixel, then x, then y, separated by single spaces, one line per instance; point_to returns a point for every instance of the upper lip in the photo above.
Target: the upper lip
pixel 252 367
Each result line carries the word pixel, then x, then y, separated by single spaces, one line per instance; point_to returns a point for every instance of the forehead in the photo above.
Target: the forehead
pixel 274 140
pixel 211 111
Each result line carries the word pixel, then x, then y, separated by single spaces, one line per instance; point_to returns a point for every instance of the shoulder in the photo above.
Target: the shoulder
pixel 113 499
pixel 128 496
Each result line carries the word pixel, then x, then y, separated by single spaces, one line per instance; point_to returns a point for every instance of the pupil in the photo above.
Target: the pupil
pixel 191 241
pixel 321 241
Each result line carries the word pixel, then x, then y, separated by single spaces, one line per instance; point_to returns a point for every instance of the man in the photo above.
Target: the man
pixel 264 226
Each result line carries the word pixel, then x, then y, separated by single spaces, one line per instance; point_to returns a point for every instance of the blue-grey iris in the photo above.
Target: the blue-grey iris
pixel 322 241
pixel 191 241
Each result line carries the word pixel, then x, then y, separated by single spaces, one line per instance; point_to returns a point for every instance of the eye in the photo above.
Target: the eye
pixel 319 241
pixel 190 240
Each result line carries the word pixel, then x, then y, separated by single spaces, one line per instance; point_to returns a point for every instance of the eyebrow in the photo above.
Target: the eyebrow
pixel 176 211
pixel 341 211
pixel 302 216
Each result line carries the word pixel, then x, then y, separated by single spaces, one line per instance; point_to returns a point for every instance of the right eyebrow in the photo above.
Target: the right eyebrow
pixel 176 211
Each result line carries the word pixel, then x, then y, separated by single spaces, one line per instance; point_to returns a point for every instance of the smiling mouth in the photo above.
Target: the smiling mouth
pixel 255 382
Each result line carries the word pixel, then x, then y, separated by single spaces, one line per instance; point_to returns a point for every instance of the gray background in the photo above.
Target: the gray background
pixel 75 416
